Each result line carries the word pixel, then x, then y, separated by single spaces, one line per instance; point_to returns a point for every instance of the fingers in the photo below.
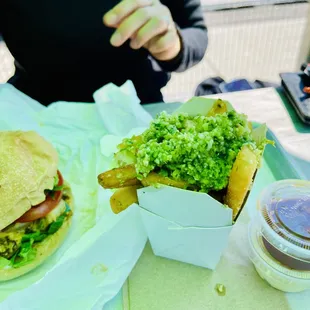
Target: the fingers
pixel 167 49
pixel 139 20
pixel 148 24
pixel 124 9
pixel 161 44
pixel 154 27
pixel 131 25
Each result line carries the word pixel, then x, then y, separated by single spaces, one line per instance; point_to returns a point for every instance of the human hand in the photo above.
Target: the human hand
pixel 146 23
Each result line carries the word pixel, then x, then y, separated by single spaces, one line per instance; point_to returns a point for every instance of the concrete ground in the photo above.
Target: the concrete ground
pixel 255 43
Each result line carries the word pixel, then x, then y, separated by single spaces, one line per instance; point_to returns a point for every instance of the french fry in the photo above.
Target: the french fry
pixel 219 107
pixel 119 177
pixel 154 178
pixel 241 178
pixel 123 198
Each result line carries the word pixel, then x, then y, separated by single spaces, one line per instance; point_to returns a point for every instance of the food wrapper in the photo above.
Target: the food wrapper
pixel 120 109
pixel 101 249
pixel 188 226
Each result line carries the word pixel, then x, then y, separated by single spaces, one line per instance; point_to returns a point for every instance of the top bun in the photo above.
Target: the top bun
pixel 28 165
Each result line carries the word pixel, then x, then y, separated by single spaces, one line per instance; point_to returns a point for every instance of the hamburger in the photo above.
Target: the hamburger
pixel 35 203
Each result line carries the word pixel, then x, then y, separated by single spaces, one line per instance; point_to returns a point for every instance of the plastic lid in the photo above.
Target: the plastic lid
pixel 285 214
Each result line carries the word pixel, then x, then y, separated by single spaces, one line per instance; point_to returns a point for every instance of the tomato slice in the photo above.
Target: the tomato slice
pixel 60 179
pixel 41 210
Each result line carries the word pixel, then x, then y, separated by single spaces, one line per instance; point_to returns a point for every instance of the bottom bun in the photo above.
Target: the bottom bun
pixel 44 248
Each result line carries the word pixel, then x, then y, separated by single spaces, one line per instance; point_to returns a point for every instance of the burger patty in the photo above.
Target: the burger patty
pixel 10 243
pixel 13 238
pixel 17 241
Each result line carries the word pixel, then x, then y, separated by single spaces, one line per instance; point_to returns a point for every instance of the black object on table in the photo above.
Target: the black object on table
pixel 217 85
pixel 297 89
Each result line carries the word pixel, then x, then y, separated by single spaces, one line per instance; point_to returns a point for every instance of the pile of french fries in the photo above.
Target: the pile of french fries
pixel 125 180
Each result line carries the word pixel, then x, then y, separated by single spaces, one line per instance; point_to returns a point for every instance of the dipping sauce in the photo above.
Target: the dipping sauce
pixel 290 219
pixel 279 236
pixel 270 269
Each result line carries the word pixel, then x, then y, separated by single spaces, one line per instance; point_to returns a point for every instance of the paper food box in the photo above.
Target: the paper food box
pixel 183 225
pixel 187 225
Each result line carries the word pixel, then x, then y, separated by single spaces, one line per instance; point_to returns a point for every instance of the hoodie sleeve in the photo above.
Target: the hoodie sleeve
pixel 188 17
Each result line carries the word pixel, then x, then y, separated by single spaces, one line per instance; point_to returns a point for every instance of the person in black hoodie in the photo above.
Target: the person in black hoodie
pixel 66 50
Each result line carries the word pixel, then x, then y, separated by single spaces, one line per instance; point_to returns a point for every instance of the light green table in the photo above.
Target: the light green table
pixel 265 105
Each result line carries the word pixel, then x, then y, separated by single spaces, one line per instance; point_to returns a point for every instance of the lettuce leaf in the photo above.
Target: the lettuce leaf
pixel 27 253
pixel 56 187
pixel 36 237
pixel 54 227
pixel 259 136
pixel 56 180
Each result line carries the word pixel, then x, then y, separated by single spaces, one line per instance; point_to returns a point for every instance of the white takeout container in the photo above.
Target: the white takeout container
pixel 186 226
pixel 183 225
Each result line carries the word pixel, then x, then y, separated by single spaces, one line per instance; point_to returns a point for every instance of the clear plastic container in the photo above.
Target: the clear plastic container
pixel 280 236
pixel 272 271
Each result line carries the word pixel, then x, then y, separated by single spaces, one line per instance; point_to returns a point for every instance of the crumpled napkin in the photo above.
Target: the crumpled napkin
pixel 101 249
pixel 120 109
